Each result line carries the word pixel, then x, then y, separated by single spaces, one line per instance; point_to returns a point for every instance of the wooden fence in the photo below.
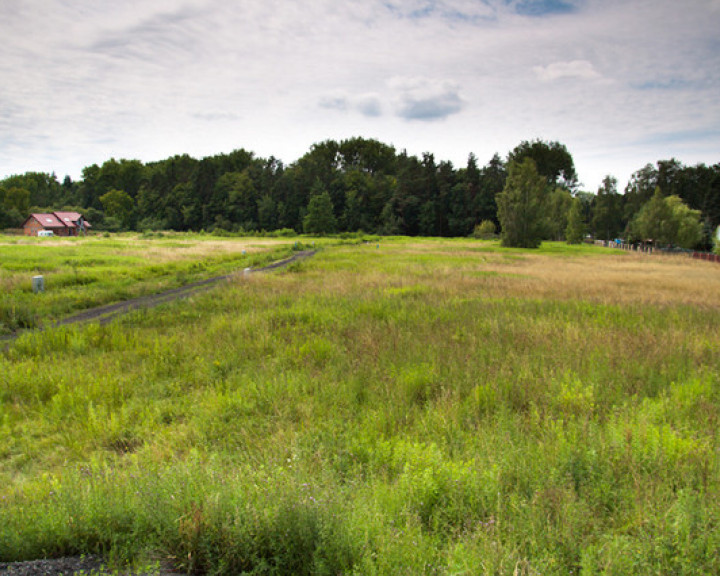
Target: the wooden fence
pixel 649 249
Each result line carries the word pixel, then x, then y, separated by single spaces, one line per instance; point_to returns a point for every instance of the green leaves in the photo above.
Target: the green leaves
pixel 521 207
pixel 668 221
pixel 320 218
pixel 575 231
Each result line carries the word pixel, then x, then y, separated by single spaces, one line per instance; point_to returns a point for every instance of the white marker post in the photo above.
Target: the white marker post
pixel 38 284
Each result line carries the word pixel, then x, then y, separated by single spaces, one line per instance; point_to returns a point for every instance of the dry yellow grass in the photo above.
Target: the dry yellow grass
pixel 170 248
pixel 192 250
pixel 621 279
pixel 607 277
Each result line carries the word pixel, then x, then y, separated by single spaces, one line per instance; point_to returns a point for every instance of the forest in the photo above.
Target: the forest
pixel 365 185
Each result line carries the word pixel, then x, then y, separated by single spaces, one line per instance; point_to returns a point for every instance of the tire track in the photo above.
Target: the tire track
pixel 106 313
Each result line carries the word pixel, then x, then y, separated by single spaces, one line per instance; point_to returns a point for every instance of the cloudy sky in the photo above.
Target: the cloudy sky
pixel 620 82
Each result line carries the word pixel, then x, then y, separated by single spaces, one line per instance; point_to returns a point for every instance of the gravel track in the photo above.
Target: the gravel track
pixel 72 566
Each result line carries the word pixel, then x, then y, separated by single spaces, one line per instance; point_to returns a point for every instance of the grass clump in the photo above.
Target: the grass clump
pixel 417 407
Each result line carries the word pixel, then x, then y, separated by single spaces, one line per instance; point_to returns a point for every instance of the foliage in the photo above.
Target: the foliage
pixel 320 218
pixel 521 206
pixel 14 206
pixel 697 186
pixel 118 204
pixel 607 219
pixel 552 160
pixel 557 207
pixel 575 231
pixel 689 226
pixel 372 186
pixel 486 229
pixel 668 221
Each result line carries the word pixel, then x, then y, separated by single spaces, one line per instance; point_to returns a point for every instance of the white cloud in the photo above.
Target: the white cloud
pixel 86 80
pixel 425 98
pixel 369 105
pixel 581 69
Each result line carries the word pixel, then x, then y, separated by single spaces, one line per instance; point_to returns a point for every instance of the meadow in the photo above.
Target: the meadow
pixel 413 406
pixel 84 272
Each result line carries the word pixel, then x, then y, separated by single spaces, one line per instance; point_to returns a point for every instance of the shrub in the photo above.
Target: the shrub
pixel 485 230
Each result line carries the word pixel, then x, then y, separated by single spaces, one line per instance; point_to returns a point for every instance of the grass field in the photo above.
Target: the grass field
pixel 409 407
pixel 84 272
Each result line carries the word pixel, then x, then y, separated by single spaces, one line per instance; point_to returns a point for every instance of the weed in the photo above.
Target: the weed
pixel 428 407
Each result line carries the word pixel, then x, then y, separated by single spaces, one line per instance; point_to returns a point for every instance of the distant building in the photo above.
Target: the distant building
pixel 59 223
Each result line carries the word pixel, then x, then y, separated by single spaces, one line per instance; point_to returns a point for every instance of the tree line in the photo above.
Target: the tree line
pixel 365 185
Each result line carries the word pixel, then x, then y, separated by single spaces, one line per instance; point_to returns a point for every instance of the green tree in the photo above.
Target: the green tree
pixel 557 207
pixel 521 208
pixel 653 220
pixel 120 205
pixel 552 160
pixel 389 221
pixel 492 182
pixel 236 198
pixel 607 219
pixel 353 213
pixel 689 223
pixel 17 199
pixel 44 189
pixel 320 218
pixel 575 231
pixel 4 219
pixel 267 214
pixel 668 221
pixel 639 191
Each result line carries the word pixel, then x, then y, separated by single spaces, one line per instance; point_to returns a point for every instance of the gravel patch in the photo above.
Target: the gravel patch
pixel 57 567
pixel 74 566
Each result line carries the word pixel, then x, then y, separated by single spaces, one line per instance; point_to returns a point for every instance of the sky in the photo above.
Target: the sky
pixel 621 83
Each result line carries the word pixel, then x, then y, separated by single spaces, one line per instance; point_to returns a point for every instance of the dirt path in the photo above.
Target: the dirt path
pixel 73 566
pixel 104 314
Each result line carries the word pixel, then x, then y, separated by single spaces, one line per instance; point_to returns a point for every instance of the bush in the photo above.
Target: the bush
pixel 152 224
pixel 485 230
pixel 283 233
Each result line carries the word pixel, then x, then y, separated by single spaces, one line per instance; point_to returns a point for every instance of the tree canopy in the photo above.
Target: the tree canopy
pixel 521 206
pixel 667 221
pixel 320 218
pixel 552 160
pixel 372 187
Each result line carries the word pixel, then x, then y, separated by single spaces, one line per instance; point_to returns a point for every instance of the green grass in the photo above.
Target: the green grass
pixel 425 407
pixel 81 273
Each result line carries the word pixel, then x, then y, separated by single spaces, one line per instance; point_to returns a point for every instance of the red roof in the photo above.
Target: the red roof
pixel 59 220
pixel 68 218
pixel 48 220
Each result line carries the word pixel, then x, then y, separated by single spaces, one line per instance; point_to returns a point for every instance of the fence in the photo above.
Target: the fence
pixel 706 256
pixel 649 249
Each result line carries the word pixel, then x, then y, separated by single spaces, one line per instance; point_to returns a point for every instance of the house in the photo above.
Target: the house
pixel 59 223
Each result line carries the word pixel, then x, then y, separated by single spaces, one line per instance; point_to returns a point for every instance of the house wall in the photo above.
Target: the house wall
pixel 32 228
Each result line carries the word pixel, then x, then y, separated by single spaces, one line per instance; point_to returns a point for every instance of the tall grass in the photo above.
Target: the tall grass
pixel 84 272
pixel 444 407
